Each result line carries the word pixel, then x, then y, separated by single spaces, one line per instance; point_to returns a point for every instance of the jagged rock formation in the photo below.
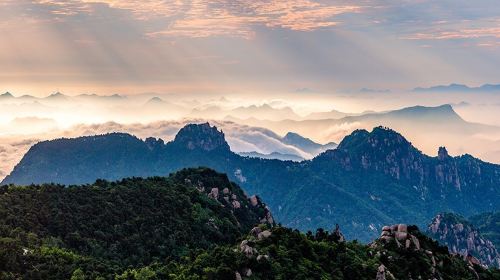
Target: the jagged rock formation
pixel 461 237
pixel 372 179
pixel 409 242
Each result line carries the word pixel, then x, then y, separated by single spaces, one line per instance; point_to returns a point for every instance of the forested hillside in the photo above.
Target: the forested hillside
pixel 48 231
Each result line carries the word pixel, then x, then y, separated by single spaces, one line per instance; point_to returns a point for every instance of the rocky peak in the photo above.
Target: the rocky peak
pixel 6 95
pixel 442 153
pixel 460 236
pixel 154 143
pixel 201 137
pixel 382 149
pixel 380 138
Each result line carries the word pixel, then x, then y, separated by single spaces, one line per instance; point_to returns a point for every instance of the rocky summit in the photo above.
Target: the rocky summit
pixel 462 238
pixel 201 137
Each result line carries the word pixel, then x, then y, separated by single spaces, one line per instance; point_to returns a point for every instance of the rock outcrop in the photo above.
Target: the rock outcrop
pixel 399 234
pixel 460 236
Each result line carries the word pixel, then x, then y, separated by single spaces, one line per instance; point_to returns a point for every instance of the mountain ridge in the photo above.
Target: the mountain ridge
pixel 373 178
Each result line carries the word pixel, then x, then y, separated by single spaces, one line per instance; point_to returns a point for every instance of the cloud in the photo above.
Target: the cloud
pixel 206 18
pixel 470 33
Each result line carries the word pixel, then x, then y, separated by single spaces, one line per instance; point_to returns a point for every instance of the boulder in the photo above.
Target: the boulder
pixel 255 231
pixel 381 273
pixel 385 233
pixel 407 243
pixel 262 257
pixel 236 204
pixel 401 236
pixel 416 242
pixel 246 249
pixel 263 235
pixel 247 272
pixel 214 193
pixel 402 228
pixel 254 200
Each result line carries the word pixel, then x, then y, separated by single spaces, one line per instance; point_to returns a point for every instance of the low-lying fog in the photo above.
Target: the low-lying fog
pixel 470 125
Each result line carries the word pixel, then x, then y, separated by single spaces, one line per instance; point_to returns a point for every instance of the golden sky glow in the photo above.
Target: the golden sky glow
pixel 110 46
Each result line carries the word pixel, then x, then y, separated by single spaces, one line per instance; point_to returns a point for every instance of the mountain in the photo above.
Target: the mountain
pixel 371 179
pixel 429 127
pixel 92 97
pixel 274 155
pixel 262 112
pixel 307 144
pixel 459 88
pixel 6 95
pixel 461 237
pixel 57 97
pixel 333 114
pixel 443 113
pixel 489 225
pixel 48 231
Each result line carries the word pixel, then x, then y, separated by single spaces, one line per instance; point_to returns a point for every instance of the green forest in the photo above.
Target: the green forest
pixel 194 224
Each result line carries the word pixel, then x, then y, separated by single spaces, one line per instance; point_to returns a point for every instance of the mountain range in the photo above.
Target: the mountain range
pixel 430 127
pixel 459 88
pixel 372 179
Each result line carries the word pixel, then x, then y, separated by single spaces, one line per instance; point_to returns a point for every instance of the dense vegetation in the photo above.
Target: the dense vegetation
pixel 194 224
pixel 49 231
pixel 372 179
pixel 294 255
pixel 489 225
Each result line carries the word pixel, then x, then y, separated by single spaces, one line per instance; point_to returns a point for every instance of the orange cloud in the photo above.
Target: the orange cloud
pixel 205 18
pixel 458 33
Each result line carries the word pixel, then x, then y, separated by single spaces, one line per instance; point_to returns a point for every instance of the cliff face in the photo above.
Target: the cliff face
pixel 386 151
pixel 461 237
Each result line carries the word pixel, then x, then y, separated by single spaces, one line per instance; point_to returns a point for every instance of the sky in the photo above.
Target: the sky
pixel 245 47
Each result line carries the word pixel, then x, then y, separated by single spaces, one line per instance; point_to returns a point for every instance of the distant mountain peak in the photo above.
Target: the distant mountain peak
pixel 155 99
pixel 454 87
pixel 443 112
pixel 56 95
pixel 379 136
pixel 6 95
pixel 201 137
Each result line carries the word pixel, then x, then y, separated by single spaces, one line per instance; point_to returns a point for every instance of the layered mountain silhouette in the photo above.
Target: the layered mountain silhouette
pixel 372 179
pixel 459 88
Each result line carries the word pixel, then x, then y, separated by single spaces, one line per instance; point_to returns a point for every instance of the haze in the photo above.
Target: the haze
pixel 253 67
